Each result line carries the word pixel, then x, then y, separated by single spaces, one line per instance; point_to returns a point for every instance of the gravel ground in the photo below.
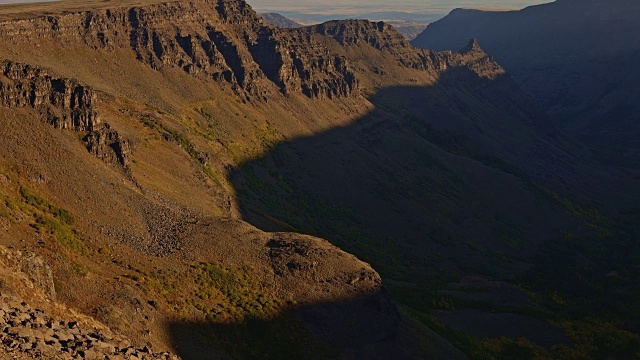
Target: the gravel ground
pixel 30 333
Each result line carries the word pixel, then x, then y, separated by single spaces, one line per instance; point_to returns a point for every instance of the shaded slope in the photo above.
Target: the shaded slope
pixel 444 181
pixel 577 59
pixel 399 193
pixel 348 335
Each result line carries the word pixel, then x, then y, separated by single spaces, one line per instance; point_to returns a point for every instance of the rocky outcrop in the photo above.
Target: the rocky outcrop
pixel 473 57
pixel 64 102
pixel 228 42
pixel 31 267
pixel 341 299
pixel 352 32
pixel 325 267
pixel 221 40
pixel 109 146
pixel 382 37
pixel 232 44
pixel 31 333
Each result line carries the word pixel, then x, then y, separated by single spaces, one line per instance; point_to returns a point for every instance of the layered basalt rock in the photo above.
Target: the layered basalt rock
pixel 385 38
pixel 298 62
pixel 228 42
pixel 222 40
pixel 64 102
pixel 109 146
pixel 352 32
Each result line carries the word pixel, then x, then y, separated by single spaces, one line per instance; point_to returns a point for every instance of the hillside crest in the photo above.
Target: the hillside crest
pixel 226 41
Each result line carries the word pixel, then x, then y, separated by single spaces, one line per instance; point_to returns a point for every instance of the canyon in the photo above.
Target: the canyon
pixel 202 184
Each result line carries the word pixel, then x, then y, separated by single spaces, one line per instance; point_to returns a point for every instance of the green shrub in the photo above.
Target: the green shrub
pixel 5 214
pixel 61 232
pixel 45 206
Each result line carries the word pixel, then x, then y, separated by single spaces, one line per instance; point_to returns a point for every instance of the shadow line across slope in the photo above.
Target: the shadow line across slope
pixel 435 185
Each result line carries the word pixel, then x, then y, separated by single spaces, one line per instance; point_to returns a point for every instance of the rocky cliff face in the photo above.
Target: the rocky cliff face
pixel 228 42
pixel 63 102
pixel 222 40
pixel 381 37
pixel 351 32
pixel 109 146
pixel 386 39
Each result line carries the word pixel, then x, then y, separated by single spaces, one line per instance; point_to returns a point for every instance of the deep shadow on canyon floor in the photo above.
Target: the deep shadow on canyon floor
pixel 365 328
pixel 445 192
pixel 441 184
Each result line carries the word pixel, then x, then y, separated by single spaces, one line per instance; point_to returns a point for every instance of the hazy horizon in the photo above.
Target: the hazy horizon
pixel 326 6
pixel 419 11
pixel 321 10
